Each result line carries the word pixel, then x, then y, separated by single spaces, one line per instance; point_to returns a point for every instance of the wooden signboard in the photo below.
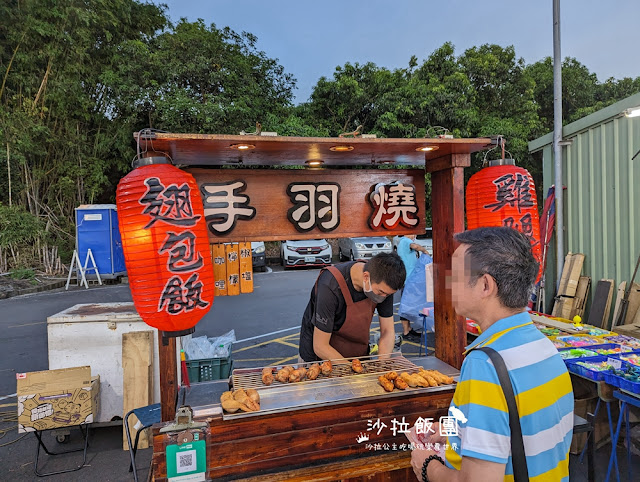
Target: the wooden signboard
pixel 246 268
pixel 137 380
pixel 601 304
pixel 273 205
pixel 218 256
pixel 233 269
pixel 634 302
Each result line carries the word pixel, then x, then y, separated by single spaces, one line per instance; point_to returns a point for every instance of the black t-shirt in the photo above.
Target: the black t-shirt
pixel 327 309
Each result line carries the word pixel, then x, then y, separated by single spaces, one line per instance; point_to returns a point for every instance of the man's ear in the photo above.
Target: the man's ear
pixel 488 285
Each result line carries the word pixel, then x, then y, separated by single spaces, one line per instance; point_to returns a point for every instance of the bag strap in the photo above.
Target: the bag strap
pixel 518 457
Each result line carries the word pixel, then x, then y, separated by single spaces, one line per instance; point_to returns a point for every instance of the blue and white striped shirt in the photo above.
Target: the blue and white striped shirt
pixel 544 397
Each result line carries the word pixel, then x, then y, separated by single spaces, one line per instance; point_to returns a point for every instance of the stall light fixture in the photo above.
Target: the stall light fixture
pixel 632 112
pixel 427 148
pixel 242 147
pixel 314 163
pixel 341 148
pixel 388 161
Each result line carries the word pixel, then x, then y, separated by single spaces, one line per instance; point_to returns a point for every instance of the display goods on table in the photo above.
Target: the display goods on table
pixel 595 353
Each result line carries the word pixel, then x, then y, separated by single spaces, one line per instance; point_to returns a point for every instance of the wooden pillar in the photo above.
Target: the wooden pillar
pixel 447 214
pixel 168 376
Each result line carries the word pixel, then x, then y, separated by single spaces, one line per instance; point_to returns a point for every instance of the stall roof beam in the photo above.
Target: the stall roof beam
pixel 223 150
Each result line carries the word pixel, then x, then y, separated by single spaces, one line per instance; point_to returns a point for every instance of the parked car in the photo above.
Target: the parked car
pixel 425 240
pixel 306 252
pixel 363 248
pixel 258 256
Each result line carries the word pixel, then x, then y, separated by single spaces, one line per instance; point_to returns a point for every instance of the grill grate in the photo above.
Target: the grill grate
pixel 252 377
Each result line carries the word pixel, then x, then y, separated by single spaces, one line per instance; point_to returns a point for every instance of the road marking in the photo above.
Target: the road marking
pixel 27 324
pixel 285 360
pixel 275 340
pixel 8 396
pixel 4 405
pixel 266 334
pixel 287 343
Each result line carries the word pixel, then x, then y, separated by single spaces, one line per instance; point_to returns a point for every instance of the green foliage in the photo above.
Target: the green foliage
pixel 18 227
pixel 78 78
pixel 23 273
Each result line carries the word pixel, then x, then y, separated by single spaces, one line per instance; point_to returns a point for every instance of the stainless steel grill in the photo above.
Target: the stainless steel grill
pixel 342 386
pixel 252 377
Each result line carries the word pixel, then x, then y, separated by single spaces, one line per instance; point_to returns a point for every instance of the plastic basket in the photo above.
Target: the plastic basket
pixel 589 340
pixel 613 380
pixel 569 357
pixel 621 382
pixel 629 386
pixel 596 376
pixel 207 369
pixel 604 346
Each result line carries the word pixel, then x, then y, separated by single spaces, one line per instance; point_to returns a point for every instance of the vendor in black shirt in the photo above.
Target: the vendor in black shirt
pixel 338 317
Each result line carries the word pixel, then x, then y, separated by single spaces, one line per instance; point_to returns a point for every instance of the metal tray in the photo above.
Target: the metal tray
pixel 342 386
pixel 252 377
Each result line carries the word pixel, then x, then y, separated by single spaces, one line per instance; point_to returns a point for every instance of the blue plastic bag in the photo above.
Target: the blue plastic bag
pixel 414 296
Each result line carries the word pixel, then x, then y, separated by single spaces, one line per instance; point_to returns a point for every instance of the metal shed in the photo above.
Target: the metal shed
pixel 602 199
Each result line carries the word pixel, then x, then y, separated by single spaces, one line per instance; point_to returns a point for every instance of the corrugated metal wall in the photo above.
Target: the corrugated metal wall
pixel 602 199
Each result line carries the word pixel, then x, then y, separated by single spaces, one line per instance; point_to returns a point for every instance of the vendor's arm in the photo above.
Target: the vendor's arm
pixel 387 330
pixel 322 348
pixel 419 247
pixel 387 336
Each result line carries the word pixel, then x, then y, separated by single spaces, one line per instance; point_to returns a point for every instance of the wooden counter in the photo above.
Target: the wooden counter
pixel 283 446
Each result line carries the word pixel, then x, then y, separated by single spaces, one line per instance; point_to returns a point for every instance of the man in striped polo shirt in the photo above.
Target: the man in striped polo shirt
pixel 493 272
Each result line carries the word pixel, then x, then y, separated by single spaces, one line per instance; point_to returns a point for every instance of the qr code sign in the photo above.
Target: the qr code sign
pixel 186 461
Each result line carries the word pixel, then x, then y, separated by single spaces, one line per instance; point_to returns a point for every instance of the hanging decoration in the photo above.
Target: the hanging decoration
pixel 505 195
pixel 166 246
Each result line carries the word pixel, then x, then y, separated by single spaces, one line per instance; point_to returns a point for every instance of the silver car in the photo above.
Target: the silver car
pixel 363 248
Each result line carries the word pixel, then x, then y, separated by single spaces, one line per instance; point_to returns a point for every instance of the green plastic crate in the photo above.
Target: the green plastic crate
pixel 204 370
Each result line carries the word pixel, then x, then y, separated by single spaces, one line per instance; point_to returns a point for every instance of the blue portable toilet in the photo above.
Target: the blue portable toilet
pixel 97 229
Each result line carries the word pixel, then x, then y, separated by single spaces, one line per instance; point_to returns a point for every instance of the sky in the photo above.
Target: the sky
pixel 310 39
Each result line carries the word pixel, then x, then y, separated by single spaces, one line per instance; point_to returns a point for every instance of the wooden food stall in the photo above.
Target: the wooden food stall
pixel 343 425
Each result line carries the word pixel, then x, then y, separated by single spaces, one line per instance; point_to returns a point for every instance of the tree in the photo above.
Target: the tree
pixel 350 99
pixel 195 78
pixel 78 78
pixel 582 94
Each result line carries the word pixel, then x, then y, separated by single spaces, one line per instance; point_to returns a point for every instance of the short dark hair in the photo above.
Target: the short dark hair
pixel 506 255
pixel 388 268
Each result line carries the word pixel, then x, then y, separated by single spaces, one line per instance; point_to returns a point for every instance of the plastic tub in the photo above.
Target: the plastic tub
pixel 208 369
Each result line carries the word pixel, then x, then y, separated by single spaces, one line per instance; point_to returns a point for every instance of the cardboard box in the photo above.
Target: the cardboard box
pixel 57 398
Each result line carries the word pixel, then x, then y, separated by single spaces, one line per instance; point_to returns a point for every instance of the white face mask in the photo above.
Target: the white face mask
pixel 371 295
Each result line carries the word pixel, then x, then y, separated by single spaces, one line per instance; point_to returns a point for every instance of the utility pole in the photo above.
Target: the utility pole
pixel 557 137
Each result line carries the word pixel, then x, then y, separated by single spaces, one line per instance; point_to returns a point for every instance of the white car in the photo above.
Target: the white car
pixel 363 248
pixel 425 240
pixel 306 252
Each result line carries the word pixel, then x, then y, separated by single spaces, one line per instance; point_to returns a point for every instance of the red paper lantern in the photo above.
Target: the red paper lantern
pixel 166 247
pixel 505 195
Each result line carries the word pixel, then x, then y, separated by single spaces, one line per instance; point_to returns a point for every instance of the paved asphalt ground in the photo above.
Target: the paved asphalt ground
pixel 266 324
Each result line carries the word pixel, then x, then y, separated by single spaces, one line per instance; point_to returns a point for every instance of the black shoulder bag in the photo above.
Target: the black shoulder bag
pixel 518 458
